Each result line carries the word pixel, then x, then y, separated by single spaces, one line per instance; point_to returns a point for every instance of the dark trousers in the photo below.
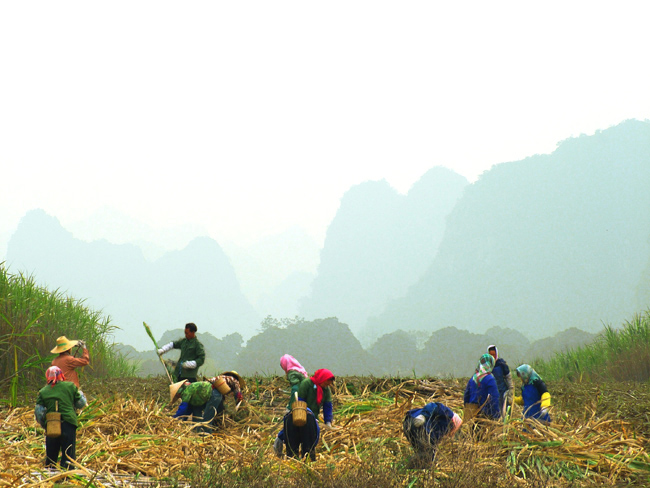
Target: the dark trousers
pixel 65 444
pixel 212 409
pixel 301 441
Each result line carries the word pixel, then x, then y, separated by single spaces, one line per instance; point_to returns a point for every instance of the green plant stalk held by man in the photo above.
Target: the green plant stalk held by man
pixel 150 334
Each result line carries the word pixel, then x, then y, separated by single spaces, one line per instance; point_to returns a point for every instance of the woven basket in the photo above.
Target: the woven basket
pixel 53 424
pixel 221 385
pixel 299 413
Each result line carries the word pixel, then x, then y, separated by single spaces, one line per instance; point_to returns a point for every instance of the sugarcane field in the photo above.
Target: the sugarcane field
pixel 127 437
pixel 74 412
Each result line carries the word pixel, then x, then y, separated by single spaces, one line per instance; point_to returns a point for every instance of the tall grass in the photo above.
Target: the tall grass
pixel 616 354
pixel 31 318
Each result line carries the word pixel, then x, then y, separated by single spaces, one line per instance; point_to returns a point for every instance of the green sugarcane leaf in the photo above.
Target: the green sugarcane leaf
pixel 150 334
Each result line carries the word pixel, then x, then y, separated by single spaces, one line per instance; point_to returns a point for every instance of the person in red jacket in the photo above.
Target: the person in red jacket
pixel 66 361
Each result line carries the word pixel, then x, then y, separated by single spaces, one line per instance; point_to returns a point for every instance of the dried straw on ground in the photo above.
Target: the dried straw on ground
pixel 128 441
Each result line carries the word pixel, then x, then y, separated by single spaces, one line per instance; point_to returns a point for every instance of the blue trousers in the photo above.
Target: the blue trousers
pixel 212 409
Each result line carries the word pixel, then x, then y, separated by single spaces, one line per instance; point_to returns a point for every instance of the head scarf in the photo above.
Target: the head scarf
pixel 289 363
pixel 484 368
pixel 527 374
pixel 54 375
pixel 496 351
pixel 320 377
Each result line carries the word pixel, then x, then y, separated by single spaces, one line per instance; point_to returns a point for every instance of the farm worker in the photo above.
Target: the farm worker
pixel 481 393
pixel 535 397
pixel 62 396
pixel 316 393
pixel 215 406
pixel 501 373
pixel 201 401
pixel 425 427
pixel 68 362
pixel 194 397
pixel 295 373
pixel 192 354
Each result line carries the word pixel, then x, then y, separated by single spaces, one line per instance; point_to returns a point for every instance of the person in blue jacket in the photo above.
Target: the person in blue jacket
pixel 503 377
pixel 535 397
pixel 481 393
pixel 425 427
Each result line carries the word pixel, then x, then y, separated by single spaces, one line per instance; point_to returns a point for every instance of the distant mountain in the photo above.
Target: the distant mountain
pixel 541 245
pixel 118 228
pixel 273 269
pixel 283 300
pixel 196 284
pixel 379 244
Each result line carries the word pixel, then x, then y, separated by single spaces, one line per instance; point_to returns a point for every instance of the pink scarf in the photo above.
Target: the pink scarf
pixel 289 363
pixel 54 375
pixel 320 377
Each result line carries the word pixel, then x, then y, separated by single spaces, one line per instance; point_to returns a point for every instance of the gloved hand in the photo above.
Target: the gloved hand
pixel 82 344
pixel 167 347
pixel 543 412
pixel 238 396
pixel 189 364
pixel 419 421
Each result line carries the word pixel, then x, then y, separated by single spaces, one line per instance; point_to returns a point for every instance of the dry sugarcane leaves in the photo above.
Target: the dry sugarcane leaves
pixel 127 433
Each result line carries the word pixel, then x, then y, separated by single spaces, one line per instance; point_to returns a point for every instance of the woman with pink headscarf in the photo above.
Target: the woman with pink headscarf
pixel 315 391
pixel 62 396
pixel 294 373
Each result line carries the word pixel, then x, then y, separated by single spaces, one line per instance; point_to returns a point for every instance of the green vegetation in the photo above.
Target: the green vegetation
pixel 615 355
pixel 31 318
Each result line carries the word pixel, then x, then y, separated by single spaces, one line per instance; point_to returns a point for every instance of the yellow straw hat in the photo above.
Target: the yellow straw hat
pixel 242 383
pixel 173 390
pixel 63 344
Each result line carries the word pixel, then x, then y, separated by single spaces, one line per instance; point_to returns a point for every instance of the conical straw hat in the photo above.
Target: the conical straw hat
pixel 173 390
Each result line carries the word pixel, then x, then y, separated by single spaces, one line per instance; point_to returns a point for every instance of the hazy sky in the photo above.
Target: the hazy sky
pixel 245 118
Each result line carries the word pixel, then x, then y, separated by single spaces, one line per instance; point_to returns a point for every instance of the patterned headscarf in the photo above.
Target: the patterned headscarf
pixel 527 374
pixel 320 377
pixel 289 363
pixel 484 368
pixel 53 375
pixel 233 383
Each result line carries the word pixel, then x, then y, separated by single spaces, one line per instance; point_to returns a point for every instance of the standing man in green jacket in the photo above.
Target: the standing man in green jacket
pixel 192 354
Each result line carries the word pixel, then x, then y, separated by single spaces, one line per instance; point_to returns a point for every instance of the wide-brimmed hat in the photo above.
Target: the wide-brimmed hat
pixel 173 390
pixel 235 374
pixel 63 344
